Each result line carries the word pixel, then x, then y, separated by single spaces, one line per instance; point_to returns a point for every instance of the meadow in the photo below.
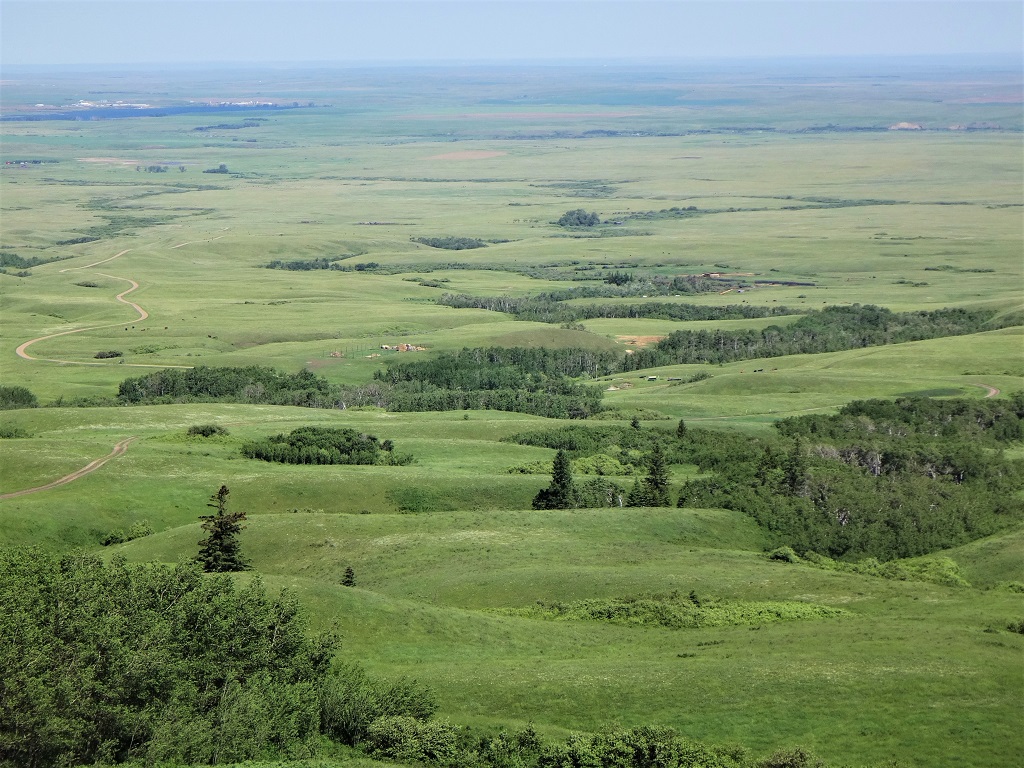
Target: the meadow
pixel 802 196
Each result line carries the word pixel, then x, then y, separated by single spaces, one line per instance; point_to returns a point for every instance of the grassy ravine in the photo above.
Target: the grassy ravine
pixel 453 569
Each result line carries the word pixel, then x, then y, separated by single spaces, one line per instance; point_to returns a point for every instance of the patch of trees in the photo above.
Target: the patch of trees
pixel 16 397
pixel 222 168
pixel 249 123
pixel 884 480
pixel 565 493
pixel 990 420
pixel 116 662
pixel 536 381
pixel 78 240
pixel 551 307
pixel 829 330
pixel 107 354
pixel 578 218
pixel 250 384
pixel 525 380
pixel 21 262
pixel 848 486
pixel 305 265
pixel 451 243
pixel 324 445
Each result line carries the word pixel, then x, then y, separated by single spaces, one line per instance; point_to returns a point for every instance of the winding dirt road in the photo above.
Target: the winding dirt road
pixel 22 350
pixel 92 466
pixel 143 314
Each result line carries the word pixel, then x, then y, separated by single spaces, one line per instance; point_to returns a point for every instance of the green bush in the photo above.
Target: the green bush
pixel 16 397
pixel 578 218
pixel 451 243
pixel 351 700
pixel 206 430
pixel 405 739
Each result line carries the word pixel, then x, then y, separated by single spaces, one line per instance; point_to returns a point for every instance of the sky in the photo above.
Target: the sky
pixel 54 33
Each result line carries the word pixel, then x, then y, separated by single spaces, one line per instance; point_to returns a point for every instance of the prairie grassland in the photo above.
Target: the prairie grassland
pixel 913 220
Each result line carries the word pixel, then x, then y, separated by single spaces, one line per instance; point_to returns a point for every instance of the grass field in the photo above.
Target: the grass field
pixel 444 548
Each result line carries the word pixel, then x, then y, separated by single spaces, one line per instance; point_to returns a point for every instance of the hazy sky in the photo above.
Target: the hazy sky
pixel 83 32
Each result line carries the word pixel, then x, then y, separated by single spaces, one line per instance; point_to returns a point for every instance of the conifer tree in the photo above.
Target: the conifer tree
pixel 657 480
pixel 562 493
pixel 220 551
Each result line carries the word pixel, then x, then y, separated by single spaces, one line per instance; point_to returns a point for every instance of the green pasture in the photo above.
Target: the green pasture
pixel 895 675
pixel 910 220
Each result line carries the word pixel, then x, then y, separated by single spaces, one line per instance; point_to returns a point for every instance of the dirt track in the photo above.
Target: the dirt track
pixel 92 466
pixel 143 314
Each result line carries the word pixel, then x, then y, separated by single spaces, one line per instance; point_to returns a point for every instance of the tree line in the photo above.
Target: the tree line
pixel 830 330
pixel 534 381
pixel 549 308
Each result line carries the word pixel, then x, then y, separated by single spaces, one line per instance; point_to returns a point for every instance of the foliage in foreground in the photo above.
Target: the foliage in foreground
pixel 116 662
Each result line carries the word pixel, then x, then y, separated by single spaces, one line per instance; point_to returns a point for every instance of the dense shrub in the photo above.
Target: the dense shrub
pixel 107 354
pixel 578 218
pixel 135 531
pixel 323 445
pixel 451 243
pixel 405 739
pixel 207 430
pixel 16 397
pixel 351 700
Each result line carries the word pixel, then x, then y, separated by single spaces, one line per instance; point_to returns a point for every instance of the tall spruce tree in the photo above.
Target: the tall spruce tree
pixel 220 551
pixel 653 491
pixel 562 493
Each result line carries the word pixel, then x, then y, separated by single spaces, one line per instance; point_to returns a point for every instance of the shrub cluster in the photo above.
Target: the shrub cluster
pixel 16 397
pixel 207 430
pixel 678 611
pixel 324 445
pixel 451 243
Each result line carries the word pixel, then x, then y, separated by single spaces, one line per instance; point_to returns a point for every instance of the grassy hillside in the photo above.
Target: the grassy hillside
pixel 796 196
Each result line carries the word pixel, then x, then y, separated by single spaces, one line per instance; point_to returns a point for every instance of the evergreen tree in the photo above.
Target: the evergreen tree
pixel 657 480
pixel 681 429
pixel 796 469
pixel 349 579
pixel 561 494
pixel 220 551
pixel 638 496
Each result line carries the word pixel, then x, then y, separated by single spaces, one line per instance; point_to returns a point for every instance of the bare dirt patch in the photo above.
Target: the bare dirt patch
pixel 639 341
pixel 468 154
